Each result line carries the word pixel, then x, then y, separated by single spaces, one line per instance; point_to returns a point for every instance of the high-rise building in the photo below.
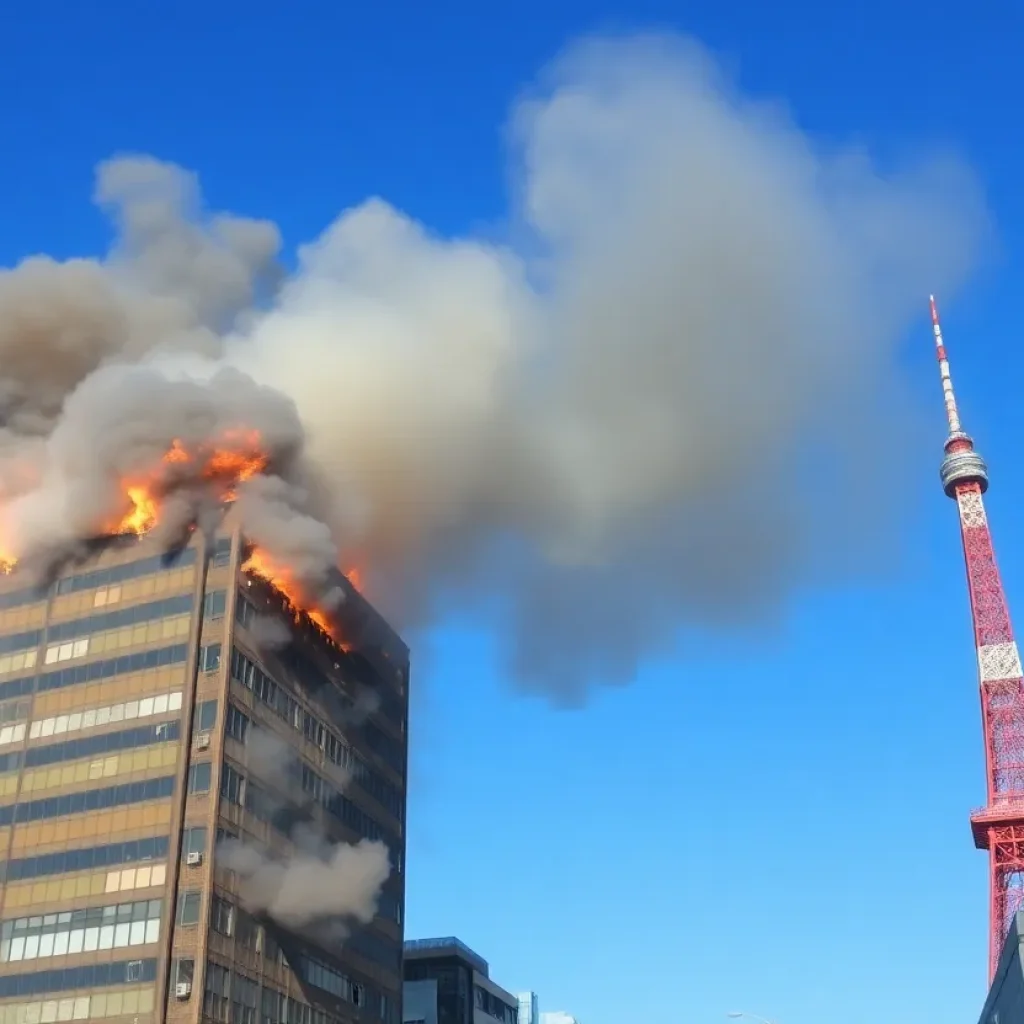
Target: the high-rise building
pixel 447 983
pixel 529 1008
pixel 133 690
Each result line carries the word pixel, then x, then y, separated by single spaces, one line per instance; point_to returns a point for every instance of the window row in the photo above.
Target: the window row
pixel 12 734
pixel 231 997
pixel 26 595
pixel 159 704
pixel 163 609
pixel 275 696
pixel 112 913
pixel 104 743
pixel 237 789
pixel 122 972
pixel 493 1006
pixel 89 800
pixel 126 1002
pixel 152 632
pixel 140 661
pixel 66 861
pixel 20 641
pixel 18 662
pixel 126 571
pixel 342 809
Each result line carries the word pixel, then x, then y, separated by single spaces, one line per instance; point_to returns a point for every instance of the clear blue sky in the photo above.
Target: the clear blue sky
pixel 780 826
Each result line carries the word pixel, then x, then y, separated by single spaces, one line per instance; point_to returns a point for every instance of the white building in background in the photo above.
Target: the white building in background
pixel 529 1011
pixel 558 1017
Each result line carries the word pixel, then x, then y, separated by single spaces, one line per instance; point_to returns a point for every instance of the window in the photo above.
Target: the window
pixel 209 657
pixel 199 778
pixel 222 916
pixel 214 604
pixel 215 998
pixel 236 724
pixel 115 926
pixel 232 785
pixel 87 800
pixel 184 972
pixel 205 717
pixel 193 841
pixel 222 552
pixel 133 970
pixel 246 930
pixel 188 907
pixel 65 861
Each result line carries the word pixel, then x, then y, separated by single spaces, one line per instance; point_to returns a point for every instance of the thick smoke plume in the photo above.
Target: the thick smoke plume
pixel 648 411
pixel 318 882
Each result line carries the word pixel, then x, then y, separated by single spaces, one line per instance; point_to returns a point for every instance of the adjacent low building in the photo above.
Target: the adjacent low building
pixel 445 982
pixel 1005 1003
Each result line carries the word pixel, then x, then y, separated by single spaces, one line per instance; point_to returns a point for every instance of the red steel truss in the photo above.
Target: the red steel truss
pixel 999 826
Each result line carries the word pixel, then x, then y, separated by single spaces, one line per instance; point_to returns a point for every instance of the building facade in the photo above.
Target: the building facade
pixel 132 688
pixel 529 1008
pixel 447 983
pixel 1005 1002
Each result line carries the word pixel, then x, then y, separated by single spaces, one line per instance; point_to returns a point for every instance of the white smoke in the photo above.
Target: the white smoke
pixel 318 881
pixel 649 412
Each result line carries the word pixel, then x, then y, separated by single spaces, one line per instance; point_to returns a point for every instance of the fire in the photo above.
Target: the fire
pixel 281 579
pixel 236 456
pixel 143 514
pixel 355 577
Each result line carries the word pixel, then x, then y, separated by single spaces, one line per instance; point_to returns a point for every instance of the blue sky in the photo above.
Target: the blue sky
pixel 779 822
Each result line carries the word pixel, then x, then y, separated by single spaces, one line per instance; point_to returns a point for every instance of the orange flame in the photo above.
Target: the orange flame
pixel 281 579
pixel 237 456
pixel 355 577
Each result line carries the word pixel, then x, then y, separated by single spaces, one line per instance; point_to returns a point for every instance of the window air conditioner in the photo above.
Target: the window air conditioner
pixel 203 741
pixel 194 859
pixel 183 990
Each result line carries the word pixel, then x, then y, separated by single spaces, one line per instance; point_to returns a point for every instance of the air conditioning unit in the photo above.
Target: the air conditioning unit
pixel 194 859
pixel 183 990
pixel 203 741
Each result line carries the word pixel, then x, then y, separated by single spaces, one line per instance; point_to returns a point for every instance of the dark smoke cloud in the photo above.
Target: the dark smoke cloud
pixel 648 416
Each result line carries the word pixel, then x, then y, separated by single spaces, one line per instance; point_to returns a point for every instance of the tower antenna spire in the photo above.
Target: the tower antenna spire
pixel 998 827
pixel 952 414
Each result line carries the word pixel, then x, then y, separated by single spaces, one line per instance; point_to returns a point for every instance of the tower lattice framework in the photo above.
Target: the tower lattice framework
pixel 998 827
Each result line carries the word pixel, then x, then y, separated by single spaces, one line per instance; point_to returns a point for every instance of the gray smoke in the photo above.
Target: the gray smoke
pixel 317 882
pixel 646 413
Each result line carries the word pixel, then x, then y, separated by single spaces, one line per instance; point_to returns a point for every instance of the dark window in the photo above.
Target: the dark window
pixel 184 972
pixel 67 978
pixel 222 916
pixel 205 716
pixel 188 907
pixel 209 659
pixel 199 777
pixel 232 785
pixel 193 841
pixel 214 604
pixel 236 724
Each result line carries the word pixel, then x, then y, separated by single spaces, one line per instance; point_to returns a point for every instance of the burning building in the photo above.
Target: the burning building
pixel 202 788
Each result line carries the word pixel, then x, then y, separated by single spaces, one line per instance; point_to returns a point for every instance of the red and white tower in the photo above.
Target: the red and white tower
pixel 999 826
